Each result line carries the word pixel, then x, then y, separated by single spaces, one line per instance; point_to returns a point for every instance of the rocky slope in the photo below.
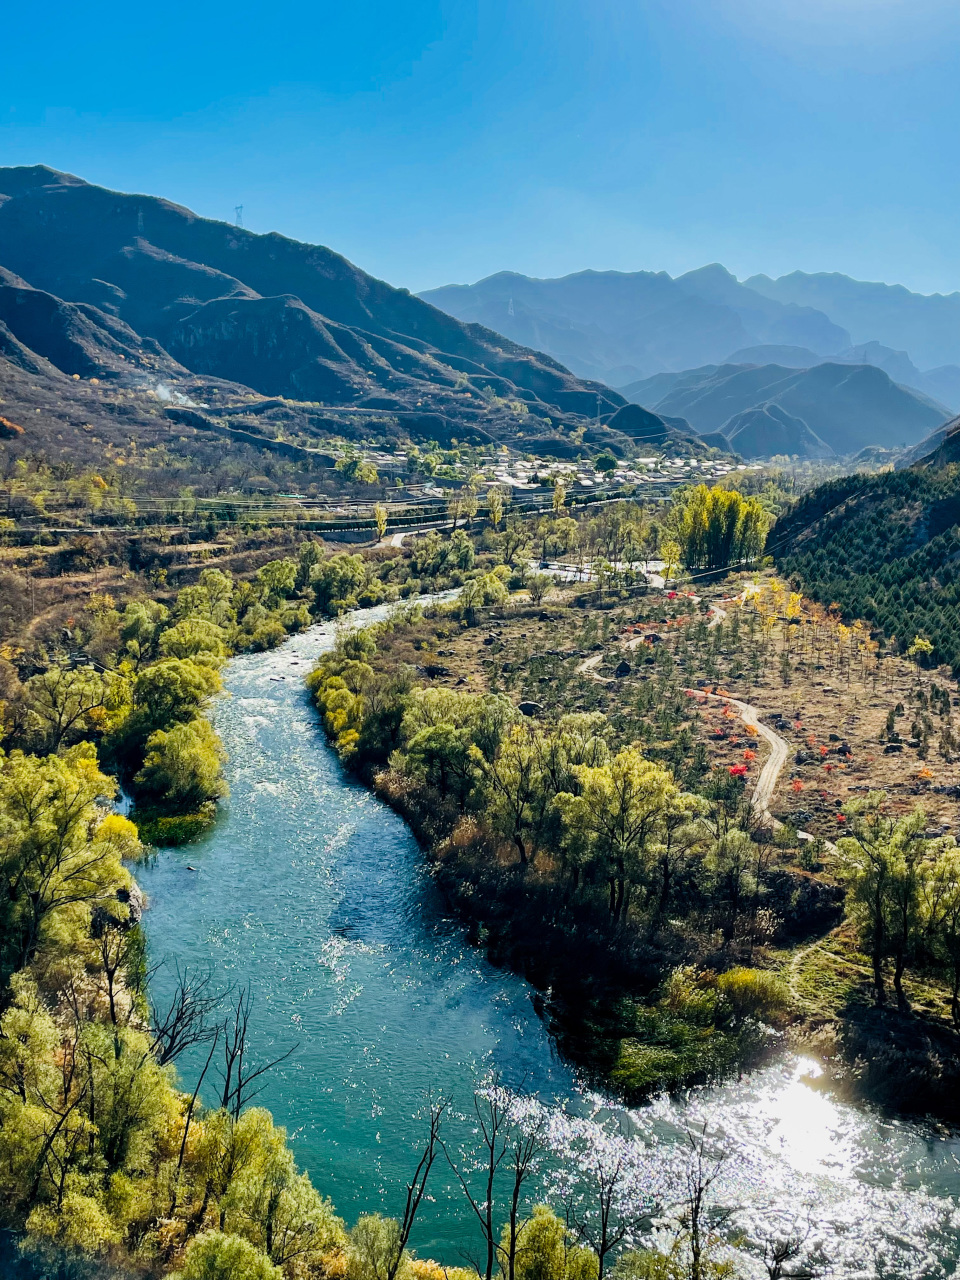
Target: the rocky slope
pixel 136 290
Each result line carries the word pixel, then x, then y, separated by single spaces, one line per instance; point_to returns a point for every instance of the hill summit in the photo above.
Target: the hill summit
pixel 97 283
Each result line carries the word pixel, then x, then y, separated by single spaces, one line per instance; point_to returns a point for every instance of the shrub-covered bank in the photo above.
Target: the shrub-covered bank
pixel 582 865
pixel 110 1165
pixel 643 897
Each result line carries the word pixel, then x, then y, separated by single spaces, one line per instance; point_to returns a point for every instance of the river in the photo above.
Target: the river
pixel 313 892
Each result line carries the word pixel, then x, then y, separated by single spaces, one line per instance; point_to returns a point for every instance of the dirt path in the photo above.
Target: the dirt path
pixel 794 968
pixel 766 784
pixel 588 667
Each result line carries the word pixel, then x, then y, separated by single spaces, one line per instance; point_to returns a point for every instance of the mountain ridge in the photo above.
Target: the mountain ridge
pixel 845 407
pixel 621 327
pixel 606 323
pixel 105 284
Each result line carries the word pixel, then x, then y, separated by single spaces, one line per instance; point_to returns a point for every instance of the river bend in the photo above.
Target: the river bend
pixel 313 891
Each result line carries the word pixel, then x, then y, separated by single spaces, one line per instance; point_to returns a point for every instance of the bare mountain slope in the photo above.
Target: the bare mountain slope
pixel 113 283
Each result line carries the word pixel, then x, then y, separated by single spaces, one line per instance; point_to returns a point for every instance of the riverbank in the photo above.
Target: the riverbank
pixel 635 998
pixel 317 896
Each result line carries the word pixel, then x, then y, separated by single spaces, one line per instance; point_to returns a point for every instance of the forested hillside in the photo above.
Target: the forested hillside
pixel 884 548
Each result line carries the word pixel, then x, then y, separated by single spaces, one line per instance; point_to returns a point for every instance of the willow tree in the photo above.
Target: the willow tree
pixel 719 527
pixel 617 821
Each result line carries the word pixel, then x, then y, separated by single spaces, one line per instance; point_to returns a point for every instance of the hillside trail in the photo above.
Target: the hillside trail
pixel 766 784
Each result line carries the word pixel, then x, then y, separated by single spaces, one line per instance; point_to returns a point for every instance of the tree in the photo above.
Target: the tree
pixel 514 538
pixel 140 628
pixel 380 517
pixel 618 817
pixel 373 1248
pixel 488 588
pixel 278 578
pixel 194 637
pixel 730 860
pixel 449 737
pixel 546 1250
pixel 941 905
pixel 337 581
pixel 455 505
pixel 470 504
pixel 210 598
pixel 670 553
pixel 215 1256
pixel 565 533
pixel 538 584
pixel 492 1108
pixel 880 863
pixel 559 497
pixel 416 1189
pixel 608 1223
pixel 718 527
pixel 605 462
pixel 183 766
pixel 185 1020
pixel 353 468
pixel 513 785
pixel 495 505
pixel 272 1205
pixel 920 651
pixel 65 702
pixel 50 863
pixel 172 691
pixel 701 1173
pixel 241 1079
pixel 309 555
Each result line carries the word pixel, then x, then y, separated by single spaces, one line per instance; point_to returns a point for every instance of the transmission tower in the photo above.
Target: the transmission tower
pixel 238 214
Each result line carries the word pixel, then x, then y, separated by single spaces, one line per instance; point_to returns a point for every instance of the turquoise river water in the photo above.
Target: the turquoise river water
pixel 313 892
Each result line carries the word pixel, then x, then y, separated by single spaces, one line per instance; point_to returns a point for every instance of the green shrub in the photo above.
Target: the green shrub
pixel 373 1247
pixel 754 993
pixel 168 830
pixel 214 1256
pixel 649 1264
pixel 183 767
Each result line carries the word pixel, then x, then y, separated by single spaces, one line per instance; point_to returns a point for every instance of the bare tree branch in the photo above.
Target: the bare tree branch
pixel 237 1075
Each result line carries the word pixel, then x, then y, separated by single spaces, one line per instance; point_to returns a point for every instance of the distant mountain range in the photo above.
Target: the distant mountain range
pixel 135 290
pixel 925 325
pixel 764 410
pixel 622 327
pixel 266 343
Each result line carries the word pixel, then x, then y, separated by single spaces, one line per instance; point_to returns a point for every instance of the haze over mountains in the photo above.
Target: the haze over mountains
pixel 621 327
pixel 826 410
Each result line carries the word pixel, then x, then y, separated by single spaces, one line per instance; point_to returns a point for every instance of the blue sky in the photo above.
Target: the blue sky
pixel 442 140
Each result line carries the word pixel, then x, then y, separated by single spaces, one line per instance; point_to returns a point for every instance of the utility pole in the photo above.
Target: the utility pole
pixel 238 214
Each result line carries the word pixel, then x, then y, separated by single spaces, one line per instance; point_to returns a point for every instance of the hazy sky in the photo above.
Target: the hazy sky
pixel 442 140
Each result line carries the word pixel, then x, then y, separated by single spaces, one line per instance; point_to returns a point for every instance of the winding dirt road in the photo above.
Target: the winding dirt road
pixel 766 784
